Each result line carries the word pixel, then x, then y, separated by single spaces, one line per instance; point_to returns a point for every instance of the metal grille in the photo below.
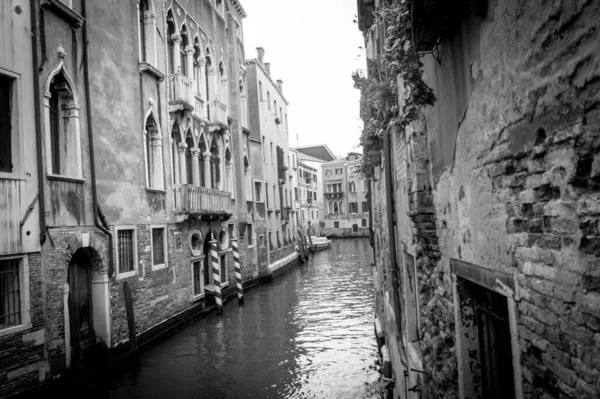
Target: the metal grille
pixel 10 295
pixel 158 246
pixel 223 269
pixel 125 248
pixel 197 268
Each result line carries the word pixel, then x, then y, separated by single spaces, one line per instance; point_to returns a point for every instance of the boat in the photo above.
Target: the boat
pixel 319 243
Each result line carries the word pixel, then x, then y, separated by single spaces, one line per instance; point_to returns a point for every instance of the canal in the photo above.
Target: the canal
pixel 308 334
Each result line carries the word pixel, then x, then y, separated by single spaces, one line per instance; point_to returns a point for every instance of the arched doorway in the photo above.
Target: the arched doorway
pixel 355 228
pixel 80 299
pixel 207 259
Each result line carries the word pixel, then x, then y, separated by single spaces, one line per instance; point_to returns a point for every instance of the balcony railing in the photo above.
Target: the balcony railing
pixel 199 108
pixel 218 112
pixel 193 199
pixel 10 214
pixel 180 90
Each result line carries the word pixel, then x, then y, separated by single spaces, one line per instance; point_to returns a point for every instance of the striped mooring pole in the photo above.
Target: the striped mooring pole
pixel 238 270
pixel 216 275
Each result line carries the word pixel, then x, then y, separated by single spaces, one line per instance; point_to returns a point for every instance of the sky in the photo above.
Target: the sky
pixel 313 46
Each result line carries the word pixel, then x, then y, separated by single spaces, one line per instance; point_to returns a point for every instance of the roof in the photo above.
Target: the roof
pixel 268 75
pixel 319 151
pixel 238 7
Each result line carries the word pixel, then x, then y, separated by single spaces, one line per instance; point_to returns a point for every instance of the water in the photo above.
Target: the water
pixel 309 334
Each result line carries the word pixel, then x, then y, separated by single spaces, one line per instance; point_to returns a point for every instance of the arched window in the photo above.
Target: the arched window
pixel 170 42
pixel 243 104
pixel 223 90
pixel 198 78
pixel 352 187
pixel 62 125
pixel 336 208
pixel 215 172
pixel 330 207
pixel 175 140
pixel 153 153
pixel 203 166
pixel 248 178
pixel 188 157
pixel 182 56
pixel 229 171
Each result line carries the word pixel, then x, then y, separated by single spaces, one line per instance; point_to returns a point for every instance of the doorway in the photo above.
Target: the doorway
pixel 80 300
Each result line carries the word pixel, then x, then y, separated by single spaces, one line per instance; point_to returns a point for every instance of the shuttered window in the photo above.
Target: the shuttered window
pixel 10 293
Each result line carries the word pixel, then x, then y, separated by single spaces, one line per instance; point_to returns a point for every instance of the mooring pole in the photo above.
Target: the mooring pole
pixel 216 275
pixel 135 356
pixel 238 270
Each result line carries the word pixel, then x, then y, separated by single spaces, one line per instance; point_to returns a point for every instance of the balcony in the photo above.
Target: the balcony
pixel 336 195
pixel 10 215
pixel 217 112
pixel 206 202
pixel 180 93
pixel 199 109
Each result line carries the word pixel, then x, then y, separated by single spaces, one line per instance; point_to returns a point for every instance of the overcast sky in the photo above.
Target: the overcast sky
pixel 313 46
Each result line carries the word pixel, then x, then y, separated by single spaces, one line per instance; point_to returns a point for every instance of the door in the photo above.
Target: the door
pixel 80 301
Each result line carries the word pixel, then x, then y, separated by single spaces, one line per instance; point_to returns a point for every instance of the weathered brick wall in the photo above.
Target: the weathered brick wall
pixel 522 194
pixel 22 361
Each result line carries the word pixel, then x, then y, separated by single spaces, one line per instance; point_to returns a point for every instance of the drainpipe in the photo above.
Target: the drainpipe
pixel 88 108
pixel 38 120
pixel 389 192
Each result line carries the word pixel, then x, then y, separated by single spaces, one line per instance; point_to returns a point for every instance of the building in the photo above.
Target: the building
pixel 145 161
pixel 345 198
pixel 273 187
pixel 307 191
pixel 314 156
pixel 485 201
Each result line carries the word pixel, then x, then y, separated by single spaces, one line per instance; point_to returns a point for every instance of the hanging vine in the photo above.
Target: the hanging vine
pixel 398 63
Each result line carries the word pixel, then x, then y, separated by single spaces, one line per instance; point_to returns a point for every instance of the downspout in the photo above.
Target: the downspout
pixel 387 149
pixel 38 121
pixel 88 108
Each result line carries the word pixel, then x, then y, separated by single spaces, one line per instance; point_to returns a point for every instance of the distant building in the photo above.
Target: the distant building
pixel 314 156
pixel 345 198
pixel 308 184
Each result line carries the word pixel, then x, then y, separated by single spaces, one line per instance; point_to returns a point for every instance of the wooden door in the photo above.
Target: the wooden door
pixel 80 301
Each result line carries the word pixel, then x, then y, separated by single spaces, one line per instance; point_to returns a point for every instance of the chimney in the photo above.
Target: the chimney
pixel 268 68
pixel 280 85
pixel 260 52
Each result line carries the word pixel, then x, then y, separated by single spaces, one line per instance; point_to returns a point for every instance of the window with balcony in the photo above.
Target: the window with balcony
pixel 62 125
pixel 182 54
pixel 189 161
pixel 126 252
pixel 199 64
pixel 158 249
pixel 215 169
pixel 14 295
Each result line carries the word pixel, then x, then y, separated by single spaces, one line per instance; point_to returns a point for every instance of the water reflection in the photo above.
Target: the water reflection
pixel 309 334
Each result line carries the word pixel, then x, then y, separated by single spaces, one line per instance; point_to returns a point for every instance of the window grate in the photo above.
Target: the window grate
pixel 125 244
pixel 158 246
pixel 10 295
pixel 197 273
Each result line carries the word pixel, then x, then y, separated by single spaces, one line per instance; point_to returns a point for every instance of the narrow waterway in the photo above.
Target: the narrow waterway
pixel 309 334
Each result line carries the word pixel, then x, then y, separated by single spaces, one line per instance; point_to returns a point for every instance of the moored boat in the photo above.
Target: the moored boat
pixel 319 243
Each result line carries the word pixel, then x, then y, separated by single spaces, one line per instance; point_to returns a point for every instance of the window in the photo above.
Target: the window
pixel 62 124
pixel 315 195
pixel 7 146
pixel 263 150
pixel 296 193
pixel 336 225
pixel 352 187
pixel 286 125
pixel 159 248
pixel 317 214
pixel 336 208
pixel 271 247
pixel 353 207
pixel 363 222
pixel 126 252
pixel 223 265
pixel 278 239
pixel 364 185
pixel 272 157
pixel 250 237
pixel 331 207
pixel 355 228
pixel 146 28
pixel 198 279
pixel 312 214
pixel 220 6
pixel 275 107
pixel 153 153
pixel 260 93
pixel 14 295
pixel 261 240
pixel 230 231
pixel 269 100
pixel 327 172
pixel 182 54
pixel 365 207
pixel 258 191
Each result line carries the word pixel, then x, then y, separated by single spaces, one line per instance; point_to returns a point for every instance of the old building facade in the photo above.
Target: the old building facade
pixel 345 198
pixel 307 191
pixel 126 155
pixel 485 208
